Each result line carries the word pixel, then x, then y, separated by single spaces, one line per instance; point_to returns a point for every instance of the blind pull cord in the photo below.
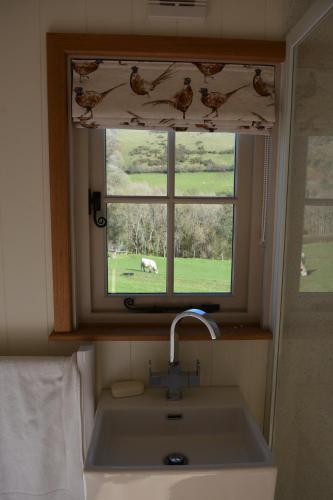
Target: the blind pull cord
pixel 266 188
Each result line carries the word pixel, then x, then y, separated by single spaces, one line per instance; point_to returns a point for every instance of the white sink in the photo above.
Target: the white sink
pixel 225 454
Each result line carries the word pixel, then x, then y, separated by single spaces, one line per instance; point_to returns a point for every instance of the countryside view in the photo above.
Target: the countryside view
pixel 136 165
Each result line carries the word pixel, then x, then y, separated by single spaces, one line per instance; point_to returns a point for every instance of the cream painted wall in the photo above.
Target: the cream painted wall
pixel 25 255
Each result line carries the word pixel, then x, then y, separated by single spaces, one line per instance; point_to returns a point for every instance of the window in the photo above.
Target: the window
pixel 68 253
pixel 183 216
pixel 317 245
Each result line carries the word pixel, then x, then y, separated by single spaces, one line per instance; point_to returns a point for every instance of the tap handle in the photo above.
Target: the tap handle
pixel 198 367
pixel 149 367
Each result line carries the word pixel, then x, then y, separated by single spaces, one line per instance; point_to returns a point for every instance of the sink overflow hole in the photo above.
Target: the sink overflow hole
pixel 174 416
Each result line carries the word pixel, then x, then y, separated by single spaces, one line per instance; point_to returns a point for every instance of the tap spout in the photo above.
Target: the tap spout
pixel 190 313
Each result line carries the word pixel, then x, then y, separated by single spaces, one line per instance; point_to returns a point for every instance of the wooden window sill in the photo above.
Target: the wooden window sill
pixel 146 331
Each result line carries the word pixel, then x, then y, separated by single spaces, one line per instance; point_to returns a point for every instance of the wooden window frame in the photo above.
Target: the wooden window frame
pixel 93 303
pixel 60 47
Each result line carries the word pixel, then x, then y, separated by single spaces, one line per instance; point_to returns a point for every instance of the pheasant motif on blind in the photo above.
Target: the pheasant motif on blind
pixel 168 95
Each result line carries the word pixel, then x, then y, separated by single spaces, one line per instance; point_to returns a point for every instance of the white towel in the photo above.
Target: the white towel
pixel 40 429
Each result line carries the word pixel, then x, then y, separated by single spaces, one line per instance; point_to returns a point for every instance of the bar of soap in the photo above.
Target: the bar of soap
pixel 127 388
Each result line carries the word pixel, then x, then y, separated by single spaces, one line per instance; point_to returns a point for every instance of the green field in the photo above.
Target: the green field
pixel 137 163
pixel 136 138
pixel 212 141
pixel 204 183
pixel 143 151
pixel 319 265
pixel 203 275
pixel 191 275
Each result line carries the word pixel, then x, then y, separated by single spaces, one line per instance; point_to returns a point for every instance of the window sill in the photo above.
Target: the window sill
pixel 145 331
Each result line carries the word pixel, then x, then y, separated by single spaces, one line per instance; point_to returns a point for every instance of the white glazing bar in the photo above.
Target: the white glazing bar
pixel 185 200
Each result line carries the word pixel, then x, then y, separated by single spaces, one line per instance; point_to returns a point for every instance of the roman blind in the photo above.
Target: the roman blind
pixel 180 96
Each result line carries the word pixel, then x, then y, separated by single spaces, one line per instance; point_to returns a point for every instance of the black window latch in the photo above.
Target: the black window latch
pixel 95 206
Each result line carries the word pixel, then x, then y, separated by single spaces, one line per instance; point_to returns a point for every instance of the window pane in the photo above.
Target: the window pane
pixel 136 162
pixel 319 168
pixel 203 248
pixel 136 248
pixel 317 250
pixel 205 164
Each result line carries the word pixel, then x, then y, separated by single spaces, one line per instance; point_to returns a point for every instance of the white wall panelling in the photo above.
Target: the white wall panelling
pixel 22 239
pixel 241 363
pixel 248 18
pixel 3 318
pixel 113 362
pixel 109 16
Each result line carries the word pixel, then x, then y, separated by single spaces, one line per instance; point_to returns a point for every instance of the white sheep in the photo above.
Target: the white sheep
pixel 149 264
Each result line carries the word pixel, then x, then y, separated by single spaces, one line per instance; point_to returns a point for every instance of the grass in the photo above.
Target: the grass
pixel 219 142
pixel 191 275
pixel 204 183
pixel 217 148
pixel 216 141
pixel 319 264
pixel 203 275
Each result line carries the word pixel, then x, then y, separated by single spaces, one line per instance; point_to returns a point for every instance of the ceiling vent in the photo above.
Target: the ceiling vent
pixel 180 8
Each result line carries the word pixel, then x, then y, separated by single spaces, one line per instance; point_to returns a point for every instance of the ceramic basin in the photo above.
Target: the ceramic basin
pixel 209 433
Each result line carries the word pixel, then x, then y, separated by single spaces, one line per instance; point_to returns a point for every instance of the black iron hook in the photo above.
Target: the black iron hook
pixel 95 206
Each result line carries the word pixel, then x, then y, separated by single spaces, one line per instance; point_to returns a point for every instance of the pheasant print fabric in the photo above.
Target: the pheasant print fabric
pixel 173 96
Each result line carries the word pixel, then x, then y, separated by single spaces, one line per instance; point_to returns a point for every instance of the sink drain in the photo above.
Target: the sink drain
pixel 176 459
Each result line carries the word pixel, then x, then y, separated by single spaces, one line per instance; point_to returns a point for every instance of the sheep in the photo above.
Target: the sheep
pixel 148 264
pixel 304 271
